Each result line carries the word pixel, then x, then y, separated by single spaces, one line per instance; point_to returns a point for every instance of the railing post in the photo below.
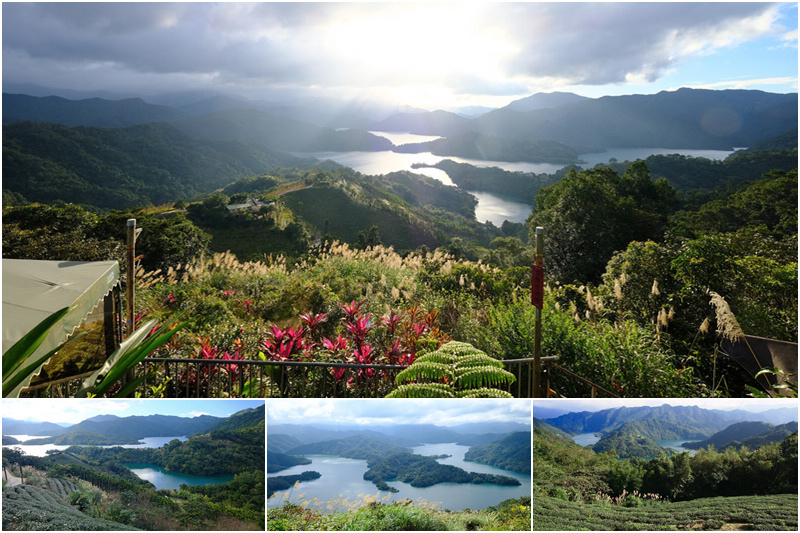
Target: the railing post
pixel 537 296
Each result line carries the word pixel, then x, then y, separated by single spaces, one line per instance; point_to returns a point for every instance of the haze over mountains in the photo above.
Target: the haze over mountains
pixel 686 118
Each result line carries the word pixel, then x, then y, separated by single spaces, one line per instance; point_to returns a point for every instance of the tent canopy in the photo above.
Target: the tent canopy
pixel 33 290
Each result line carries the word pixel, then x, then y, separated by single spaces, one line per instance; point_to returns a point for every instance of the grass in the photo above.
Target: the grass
pixel 766 513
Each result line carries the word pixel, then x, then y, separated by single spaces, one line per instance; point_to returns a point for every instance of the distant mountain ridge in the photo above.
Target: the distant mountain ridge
pixel 685 118
pixel 691 417
pixel 111 425
pixel 752 434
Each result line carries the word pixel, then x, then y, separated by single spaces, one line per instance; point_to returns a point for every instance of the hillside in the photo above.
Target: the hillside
pixel 749 434
pixel 26 507
pixel 419 471
pixel 239 420
pixel 511 453
pixel 146 426
pixel 626 441
pixel 776 513
pixel 357 447
pixel 279 461
pixel 122 168
pixel 691 417
pixel 279 443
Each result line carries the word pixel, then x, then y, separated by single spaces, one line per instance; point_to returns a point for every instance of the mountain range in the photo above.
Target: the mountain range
pixel 690 418
pixel 133 427
pixel 407 435
pixel 686 118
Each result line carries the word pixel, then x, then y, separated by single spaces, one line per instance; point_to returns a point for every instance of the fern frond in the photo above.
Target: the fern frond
pixel 483 376
pixel 424 370
pixel 484 393
pixel 422 390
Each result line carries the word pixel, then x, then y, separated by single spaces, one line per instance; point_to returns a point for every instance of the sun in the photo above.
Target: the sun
pixel 413 49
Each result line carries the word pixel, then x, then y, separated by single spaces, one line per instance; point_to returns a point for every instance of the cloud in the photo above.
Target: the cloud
pixel 63 411
pixel 402 411
pixel 471 48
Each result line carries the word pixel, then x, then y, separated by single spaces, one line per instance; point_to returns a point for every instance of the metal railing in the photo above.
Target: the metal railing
pixel 551 387
pixel 214 378
pixel 221 378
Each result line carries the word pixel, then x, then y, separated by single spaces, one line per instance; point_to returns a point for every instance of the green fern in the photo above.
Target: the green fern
pixel 457 369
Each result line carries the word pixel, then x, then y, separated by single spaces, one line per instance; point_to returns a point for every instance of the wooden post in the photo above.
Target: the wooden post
pixel 537 340
pixel 130 274
pixel 130 269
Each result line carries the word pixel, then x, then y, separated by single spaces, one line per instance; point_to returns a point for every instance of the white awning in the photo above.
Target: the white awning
pixel 33 290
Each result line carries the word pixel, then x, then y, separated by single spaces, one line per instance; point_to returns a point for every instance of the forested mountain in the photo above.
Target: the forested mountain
pixel 239 420
pixel 277 132
pixel 669 119
pixel 279 443
pixel 357 447
pixel 130 426
pixel 421 471
pixel 686 118
pixel 511 453
pixel 659 429
pixel 280 461
pixel 23 427
pixel 97 112
pixel 128 167
pixel 690 417
pixel 750 434
pixel 626 441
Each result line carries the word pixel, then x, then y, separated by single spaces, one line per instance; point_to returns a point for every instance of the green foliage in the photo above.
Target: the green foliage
pixel 119 168
pixel 419 471
pixel 599 211
pixel 26 507
pixel 510 453
pixel 454 370
pixel 776 513
pixel 627 442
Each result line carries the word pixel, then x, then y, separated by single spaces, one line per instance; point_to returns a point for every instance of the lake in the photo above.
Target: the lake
pixel 586 439
pixel 342 481
pixel 167 479
pixel 677 445
pixel 491 207
pixel 40 450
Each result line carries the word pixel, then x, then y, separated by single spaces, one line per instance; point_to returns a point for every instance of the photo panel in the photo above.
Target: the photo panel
pixel 649 464
pixel 361 464
pixel 150 464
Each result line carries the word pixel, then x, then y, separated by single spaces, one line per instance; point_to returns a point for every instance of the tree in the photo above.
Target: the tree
pixel 367 238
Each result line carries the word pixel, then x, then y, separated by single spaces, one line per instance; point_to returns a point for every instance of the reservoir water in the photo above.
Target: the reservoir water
pixel 40 450
pixel 491 207
pixel 586 439
pixel 677 445
pixel 342 484
pixel 167 479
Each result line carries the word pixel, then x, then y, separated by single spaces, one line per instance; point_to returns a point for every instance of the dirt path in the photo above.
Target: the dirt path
pixel 11 479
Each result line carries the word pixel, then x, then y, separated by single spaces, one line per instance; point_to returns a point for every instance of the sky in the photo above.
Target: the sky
pixel 423 54
pixel 74 410
pixel 440 412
